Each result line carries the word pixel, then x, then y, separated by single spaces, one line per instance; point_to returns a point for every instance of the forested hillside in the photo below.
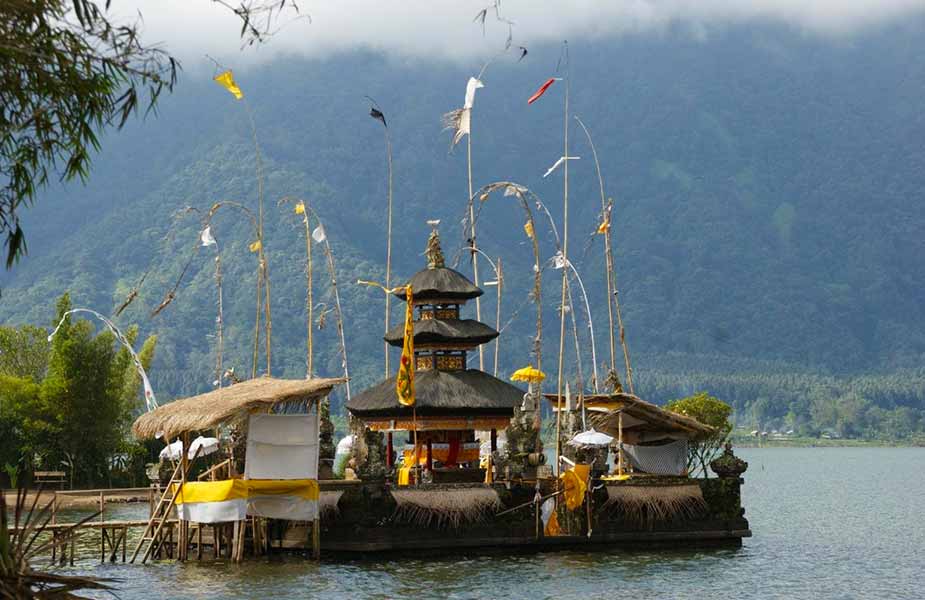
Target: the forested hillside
pixel 768 224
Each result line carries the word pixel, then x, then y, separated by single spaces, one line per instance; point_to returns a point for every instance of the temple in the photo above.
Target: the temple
pixel 452 401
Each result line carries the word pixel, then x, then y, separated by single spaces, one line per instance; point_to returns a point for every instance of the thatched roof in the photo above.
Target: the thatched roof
pixel 638 416
pixel 227 404
pixel 441 283
pixel 442 331
pixel 441 393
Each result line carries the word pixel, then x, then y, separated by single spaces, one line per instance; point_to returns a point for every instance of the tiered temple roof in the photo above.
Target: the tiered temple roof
pixel 448 394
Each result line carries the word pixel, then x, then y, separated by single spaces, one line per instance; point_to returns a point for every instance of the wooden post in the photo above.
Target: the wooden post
pixel 620 443
pixel 316 539
pixel 430 458
pixel 54 514
pixel 494 440
pixel 102 530
pixel 183 525
pixel 388 450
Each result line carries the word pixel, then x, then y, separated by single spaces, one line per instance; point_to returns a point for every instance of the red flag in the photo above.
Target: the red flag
pixel 541 91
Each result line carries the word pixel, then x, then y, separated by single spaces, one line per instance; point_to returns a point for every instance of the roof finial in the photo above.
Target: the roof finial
pixel 433 252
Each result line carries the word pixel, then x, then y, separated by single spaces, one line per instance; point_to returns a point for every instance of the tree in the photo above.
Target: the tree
pixel 709 411
pixel 80 411
pixel 68 70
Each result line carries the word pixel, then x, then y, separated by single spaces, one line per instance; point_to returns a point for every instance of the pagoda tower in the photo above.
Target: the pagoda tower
pixel 452 401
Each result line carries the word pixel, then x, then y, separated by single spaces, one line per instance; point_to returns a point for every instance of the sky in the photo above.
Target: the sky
pixel 444 30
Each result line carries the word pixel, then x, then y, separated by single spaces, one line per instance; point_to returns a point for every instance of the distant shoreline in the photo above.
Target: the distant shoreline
pixel 800 442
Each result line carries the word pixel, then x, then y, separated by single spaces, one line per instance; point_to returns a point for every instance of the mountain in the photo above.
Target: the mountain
pixel 767 220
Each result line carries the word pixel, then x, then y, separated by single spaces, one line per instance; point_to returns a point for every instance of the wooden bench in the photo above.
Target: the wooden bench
pixel 43 477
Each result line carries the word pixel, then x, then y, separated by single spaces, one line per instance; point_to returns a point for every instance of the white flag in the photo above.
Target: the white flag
pixel 206 237
pixel 473 85
pixel 319 235
pixel 561 160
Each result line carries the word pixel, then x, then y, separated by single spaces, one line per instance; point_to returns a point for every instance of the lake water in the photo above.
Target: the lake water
pixel 827 523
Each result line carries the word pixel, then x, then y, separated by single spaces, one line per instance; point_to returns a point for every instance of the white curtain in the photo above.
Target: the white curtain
pixel 282 446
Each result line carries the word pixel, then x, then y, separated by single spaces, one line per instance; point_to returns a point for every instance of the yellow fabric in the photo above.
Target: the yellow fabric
pixel 404 382
pixel 226 80
pixel 241 489
pixel 404 476
pixel 255 246
pixel 528 229
pixel 552 526
pixel 575 486
pixel 439 454
pixel 528 374
pixel 623 477
pixel 300 208
pixel 604 227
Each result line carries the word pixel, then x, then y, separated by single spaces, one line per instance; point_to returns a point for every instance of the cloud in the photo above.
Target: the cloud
pixel 440 29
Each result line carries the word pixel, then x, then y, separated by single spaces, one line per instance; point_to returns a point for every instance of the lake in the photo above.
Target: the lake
pixel 827 523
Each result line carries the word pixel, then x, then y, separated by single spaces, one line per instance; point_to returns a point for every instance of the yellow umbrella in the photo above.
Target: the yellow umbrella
pixel 528 374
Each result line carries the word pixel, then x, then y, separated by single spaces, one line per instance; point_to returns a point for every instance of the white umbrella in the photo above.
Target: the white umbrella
pixel 591 438
pixel 208 445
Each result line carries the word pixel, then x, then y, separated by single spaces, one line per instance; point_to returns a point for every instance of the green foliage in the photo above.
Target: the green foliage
pixel 709 411
pixel 68 71
pixel 79 413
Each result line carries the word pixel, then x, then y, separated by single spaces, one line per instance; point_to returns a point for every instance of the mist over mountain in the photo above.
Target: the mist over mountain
pixel 767 213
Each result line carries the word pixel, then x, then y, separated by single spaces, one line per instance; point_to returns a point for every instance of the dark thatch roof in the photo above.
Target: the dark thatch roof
pixel 438 331
pixel 441 283
pixel 441 393
pixel 227 404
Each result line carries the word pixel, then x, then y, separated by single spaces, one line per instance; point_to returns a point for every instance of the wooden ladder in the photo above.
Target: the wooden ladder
pixel 161 514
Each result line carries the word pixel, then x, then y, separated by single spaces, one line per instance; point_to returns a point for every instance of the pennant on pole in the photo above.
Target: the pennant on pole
pixel 528 229
pixel 206 237
pixel 471 86
pixel 404 381
pixel 555 166
pixel 541 91
pixel 256 246
pixel 319 235
pixel 300 208
pixel 226 80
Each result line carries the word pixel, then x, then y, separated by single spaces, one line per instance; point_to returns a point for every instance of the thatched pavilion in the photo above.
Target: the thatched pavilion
pixel 280 481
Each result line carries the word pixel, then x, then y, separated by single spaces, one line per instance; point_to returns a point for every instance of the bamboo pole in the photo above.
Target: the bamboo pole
pixel 608 256
pixel 564 271
pixel 500 278
pixel 309 301
pixel 219 359
pixel 474 254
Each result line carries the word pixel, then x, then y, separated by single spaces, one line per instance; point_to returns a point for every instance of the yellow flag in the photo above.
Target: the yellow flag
pixel 256 246
pixel 404 382
pixel 604 227
pixel 226 80
pixel 300 208
pixel 528 229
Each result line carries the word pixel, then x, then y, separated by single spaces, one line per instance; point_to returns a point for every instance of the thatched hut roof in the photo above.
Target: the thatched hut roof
pixel 639 416
pixel 227 404
pixel 441 393
pixel 443 331
pixel 441 283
